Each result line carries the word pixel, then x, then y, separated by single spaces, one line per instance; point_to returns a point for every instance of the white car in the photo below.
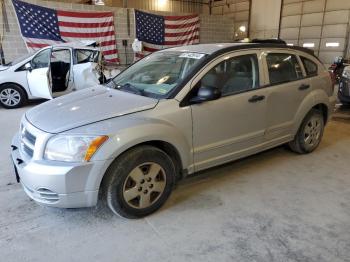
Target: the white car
pixel 50 72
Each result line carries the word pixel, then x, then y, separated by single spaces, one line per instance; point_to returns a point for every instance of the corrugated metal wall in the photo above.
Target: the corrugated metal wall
pixel 184 6
pixel 322 25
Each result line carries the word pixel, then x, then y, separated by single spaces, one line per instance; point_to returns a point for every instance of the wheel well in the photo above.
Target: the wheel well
pixel 323 109
pixel 171 151
pixel 18 85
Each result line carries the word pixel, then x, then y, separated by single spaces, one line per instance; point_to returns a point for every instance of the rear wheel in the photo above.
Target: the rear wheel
pixel 12 96
pixel 139 182
pixel 309 134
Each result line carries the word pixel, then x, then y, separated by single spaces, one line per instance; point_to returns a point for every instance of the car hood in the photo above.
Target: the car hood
pixel 86 106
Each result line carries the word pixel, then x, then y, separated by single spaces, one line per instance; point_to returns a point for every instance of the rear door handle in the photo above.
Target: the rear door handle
pixel 256 98
pixel 304 87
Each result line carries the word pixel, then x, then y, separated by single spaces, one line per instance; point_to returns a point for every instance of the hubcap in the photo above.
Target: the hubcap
pixel 312 132
pixel 10 97
pixel 144 185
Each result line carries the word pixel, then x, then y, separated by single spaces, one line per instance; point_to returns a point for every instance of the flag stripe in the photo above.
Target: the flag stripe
pixel 177 18
pixel 182 42
pixel 36 45
pixel 182 22
pixel 85 30
pixel 185 33
pixel 85 15
pixel 177 26
pixel 87 35
pixel 110 52
pixel 108 43
pixel 84 20
pixel 114 60
pixel 85 25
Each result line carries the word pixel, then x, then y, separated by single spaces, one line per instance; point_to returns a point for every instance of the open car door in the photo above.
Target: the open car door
pixel 38 75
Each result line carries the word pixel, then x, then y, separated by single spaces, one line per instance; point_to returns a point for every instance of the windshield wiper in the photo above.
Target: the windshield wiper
pixel 128 88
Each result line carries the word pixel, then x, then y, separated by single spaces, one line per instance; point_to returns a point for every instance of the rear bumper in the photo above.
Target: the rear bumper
pixel 57 184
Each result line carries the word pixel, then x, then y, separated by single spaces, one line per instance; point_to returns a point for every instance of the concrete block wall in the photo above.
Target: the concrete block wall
pixel 238 10
pixel 212 28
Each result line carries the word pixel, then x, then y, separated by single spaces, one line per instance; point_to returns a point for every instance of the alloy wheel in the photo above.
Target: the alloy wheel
pixel 144 185
pixel 10 97
pixel 312 132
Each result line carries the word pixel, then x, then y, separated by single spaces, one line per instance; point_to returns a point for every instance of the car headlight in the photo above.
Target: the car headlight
pixel 73 148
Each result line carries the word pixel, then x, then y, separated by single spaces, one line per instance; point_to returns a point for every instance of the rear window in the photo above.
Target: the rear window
pixel 283 68
pixel 310 67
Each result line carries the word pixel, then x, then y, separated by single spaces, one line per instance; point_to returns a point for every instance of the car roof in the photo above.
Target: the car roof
pixel 204 48
pixel 218 48
pixel 77 45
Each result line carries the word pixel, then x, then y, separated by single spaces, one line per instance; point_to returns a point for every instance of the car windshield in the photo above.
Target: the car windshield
pixel 157 74
pixel 19 59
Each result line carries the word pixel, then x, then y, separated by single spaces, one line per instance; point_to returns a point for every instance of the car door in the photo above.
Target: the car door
pixel 39 73
pixel 287 89
pixel 61 71
pixel 85 71
pixel 233 125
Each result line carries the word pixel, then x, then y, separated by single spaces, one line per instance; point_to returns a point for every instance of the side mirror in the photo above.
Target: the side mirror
pixel 28 67
pixel 206 93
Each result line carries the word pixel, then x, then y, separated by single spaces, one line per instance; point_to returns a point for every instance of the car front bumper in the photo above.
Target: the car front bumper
pixel 58 184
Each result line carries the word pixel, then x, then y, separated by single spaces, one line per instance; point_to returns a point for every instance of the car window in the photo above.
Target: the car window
pixel 157 74
pixel 41 60
pixel 85 56
pixel 234 75
pixel 62 55
pixel 283 68
pixel 310 67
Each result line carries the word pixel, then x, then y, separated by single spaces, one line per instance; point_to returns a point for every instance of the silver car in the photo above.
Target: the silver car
pixel 173 113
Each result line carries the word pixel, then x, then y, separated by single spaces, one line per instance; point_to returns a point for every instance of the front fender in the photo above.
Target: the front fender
pixel 131 131
pixel 149 130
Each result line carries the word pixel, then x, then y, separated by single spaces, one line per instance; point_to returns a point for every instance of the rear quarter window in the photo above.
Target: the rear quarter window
pixel 310 66
pixel 283 68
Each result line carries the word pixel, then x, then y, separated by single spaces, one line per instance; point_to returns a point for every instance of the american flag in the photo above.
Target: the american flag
pixel 159 32
pixel 42 26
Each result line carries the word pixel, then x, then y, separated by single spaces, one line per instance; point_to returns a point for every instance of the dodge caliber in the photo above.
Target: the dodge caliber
pixel 173 113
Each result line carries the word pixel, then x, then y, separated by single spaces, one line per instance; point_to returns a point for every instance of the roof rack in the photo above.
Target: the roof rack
pixel 269 41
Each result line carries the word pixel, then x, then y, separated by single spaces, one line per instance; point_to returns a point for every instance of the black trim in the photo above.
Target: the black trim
pixel 303 58
pixel 222 51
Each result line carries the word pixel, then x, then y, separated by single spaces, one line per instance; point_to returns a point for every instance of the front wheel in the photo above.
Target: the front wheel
pixel 12 96
pixel 139 182
pixel 309 134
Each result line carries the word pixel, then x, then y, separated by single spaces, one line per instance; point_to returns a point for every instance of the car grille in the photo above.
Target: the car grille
pixel 28 142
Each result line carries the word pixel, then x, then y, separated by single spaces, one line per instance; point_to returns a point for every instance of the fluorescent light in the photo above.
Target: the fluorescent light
pixel 335 44
pixel 242 28
pixel 290 44
pixel 309 45
pixel 162 3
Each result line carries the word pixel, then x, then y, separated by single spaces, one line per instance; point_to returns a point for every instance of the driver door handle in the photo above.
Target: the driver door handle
pixel 256 98
pixel 304 87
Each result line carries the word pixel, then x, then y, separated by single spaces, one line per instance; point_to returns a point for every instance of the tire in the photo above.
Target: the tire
pixel 139 182
pixel 12 96
pixel 309 134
